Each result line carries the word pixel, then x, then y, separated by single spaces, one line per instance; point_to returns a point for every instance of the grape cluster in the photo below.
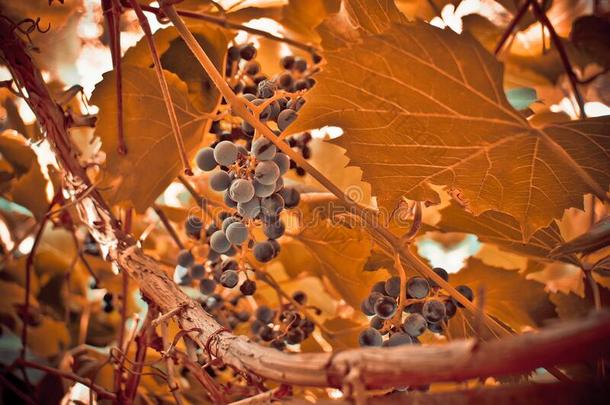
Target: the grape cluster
pixel 286 327
pixel 426 308
pixel 300 143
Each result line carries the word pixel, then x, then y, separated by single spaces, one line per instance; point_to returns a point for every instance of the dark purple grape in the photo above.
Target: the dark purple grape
pixel 433 311
pixel 398 339
pixel 442 273
pixel 377 323
pixel 248 287
pixel 418 287
pixel 415 325
pixel 264 314
pixel 466 292
pixel 370 337
pixel 392 286
pixel 385 307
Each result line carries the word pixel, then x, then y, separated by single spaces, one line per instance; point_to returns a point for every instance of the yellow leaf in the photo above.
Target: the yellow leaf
pixel 152 160
pixel 416 115
pixel 49 338
pixel 509 297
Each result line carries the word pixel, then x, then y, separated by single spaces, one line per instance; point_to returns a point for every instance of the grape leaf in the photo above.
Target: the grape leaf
pixel 596 238
pixel 177 58
pixel 356 19
pixel 334 252
pixel 416 115
pixel 302 17
pixel 502 229
pixel 510 298
pixel 152 160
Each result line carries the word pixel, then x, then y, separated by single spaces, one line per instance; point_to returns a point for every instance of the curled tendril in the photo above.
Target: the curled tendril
pixel 27 26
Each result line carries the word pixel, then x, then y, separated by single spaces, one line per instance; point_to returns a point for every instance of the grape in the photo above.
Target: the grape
pixel 248 287
pixel 300 297
pixel 367 308
pixel 243 316
pixel 225 153
pixel 229 278
pixel 247 129
pixel 241 190
pixel 300 64
pixel 414 308
pixel 278 344
pixel 264 314
pixel 392 286
pixel 370 337
pixel 237 233
pixel 301 85
pixel 285 81
pixel 307 326
pixel 266 172
pixel 398 339
pixel 276 246
pixel 231 251
pixel 193 226
pixel 207 286
pixel 229 264
pixel 213 255
pixel 287 61
pixel 295 336
pixel 379 287
pixel 228 200
pixel 263 149
pixel 250 209
pixel 233 53
pixel 266 333
pixel 266 113
pixel 291 197
pixel 180 273
pixel 256 326
pixel 418 287
pixel 205 159
pixel 272 206
pixel 211 228
pixel 286 118
pixel 252 68
pixel 385 307
pixel 466 292
pixel 415 325
pixel 198 271
pixel 282 161
pixel 247 52
pixel 220 181
pixel 442 273
pixel 264 190
pixel 374 296
pixel 377 322
pixel 108 308
pixel 107 297
pixel 185 258
pixel 316 58
pixel 435 327
pixel 219 242
pixel 450 308
pixel 433 311
pixel 266 89
pixel 296 104
pixel 274 230
pixel 263 251
pixel 279 184
pixel 228 221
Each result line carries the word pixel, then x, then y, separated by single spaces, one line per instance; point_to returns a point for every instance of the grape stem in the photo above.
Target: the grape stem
pixel 167 97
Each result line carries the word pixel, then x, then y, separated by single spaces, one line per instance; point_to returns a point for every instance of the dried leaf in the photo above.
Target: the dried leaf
pixel 596 238
pixel 152 160
pixel 400 104
pixel 510 298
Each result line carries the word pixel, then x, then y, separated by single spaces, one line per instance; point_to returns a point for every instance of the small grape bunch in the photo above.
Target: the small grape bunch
pixel 226 312
pixel 288 327
pixel 427 307
pixel 253 186
pixel 108 306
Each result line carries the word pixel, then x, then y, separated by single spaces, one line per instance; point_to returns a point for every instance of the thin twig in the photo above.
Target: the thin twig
pixel 5 383
pixel 112 12
pixel 511 27
pixel 142 342
pixel 101 392
pixel 225 23
pixel 171 378
pixel 167 97
pixel 168 226
pixel 541 15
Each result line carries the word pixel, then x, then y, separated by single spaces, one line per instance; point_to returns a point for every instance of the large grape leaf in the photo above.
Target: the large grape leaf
pixel 513 300
pixel 152 160
pixel 422 106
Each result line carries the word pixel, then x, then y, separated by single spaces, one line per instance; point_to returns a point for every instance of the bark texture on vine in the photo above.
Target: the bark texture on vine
pixel 373 368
